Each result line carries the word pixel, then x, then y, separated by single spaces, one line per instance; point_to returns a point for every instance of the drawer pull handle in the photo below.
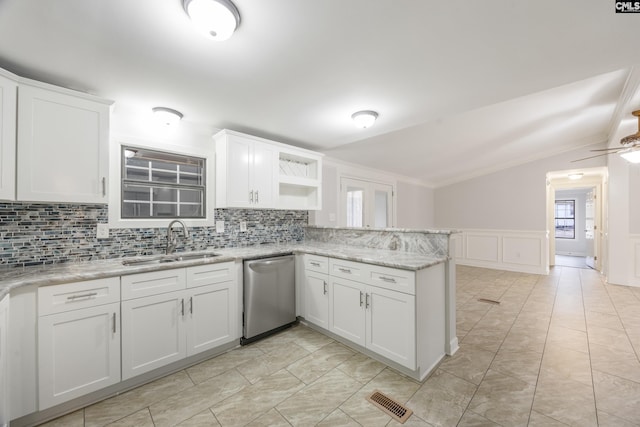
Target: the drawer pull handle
pixel 89 295
pixel 182 306
pixel 387 279
pixel 361 295
pixel 367 304
pixel 114 323
pixel 104 186
pixel 257 200
pixel 315 264
pixel 345 270
pixel 251 196
pixel 324 289
pixel 191 305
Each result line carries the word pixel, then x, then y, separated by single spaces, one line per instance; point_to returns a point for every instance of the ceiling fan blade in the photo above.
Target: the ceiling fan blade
pixel 591 157
pixel 609 149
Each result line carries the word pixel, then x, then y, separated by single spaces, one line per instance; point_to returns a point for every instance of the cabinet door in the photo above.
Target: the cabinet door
pixel 8 93
pixel 317 298
pixel 391 325
pixel 263 175
pixel 238 179
pixel 152 332
pixel 78 352
pixel 4 362
pixel 62 147
pixel 211 317
pixel 346 310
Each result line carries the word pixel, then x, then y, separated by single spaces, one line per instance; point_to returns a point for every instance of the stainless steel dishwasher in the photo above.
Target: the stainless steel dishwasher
pixel 269 296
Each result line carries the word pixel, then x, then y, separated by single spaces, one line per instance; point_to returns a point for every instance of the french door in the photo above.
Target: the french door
pixel 366 203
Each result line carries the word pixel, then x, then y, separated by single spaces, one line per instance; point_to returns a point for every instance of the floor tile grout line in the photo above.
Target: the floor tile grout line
pixel 586 328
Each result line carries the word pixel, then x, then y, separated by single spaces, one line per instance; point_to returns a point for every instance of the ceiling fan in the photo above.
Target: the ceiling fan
pixel 630 149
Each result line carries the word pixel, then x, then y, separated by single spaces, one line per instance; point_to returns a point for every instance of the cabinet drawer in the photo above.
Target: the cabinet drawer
pixel 319 264
pixel 153 283
pixel 347 269
pixel 392 278
pixel 210 274
pixel 73 296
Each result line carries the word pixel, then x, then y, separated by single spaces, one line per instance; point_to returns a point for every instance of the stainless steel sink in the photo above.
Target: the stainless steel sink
pixel 167 259
pixel 187 257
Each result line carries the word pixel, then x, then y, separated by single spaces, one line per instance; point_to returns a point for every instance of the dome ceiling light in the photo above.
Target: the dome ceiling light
pixel 364 119
pixel 167 116
pixel 217 19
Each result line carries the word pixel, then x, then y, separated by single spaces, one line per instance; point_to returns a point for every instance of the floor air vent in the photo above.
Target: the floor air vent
pixel 396 410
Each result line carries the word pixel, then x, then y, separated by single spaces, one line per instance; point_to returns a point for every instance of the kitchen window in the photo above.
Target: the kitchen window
pixel 158 184
pixel 565 218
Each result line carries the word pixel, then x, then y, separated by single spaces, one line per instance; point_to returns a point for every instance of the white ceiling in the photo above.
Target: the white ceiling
pixel 461 88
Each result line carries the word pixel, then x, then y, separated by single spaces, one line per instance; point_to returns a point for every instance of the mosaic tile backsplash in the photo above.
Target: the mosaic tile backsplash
pixel 36 234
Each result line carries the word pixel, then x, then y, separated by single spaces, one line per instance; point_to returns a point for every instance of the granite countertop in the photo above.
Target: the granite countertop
pixel 72 272
pixel 390 229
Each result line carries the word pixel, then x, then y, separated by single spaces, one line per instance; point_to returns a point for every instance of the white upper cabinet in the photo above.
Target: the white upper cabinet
pixel 245 171
pixel 253 172
pixel 63 145
pixel 8 104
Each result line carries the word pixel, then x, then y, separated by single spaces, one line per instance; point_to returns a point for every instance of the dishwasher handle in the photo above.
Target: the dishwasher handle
pixel 269 264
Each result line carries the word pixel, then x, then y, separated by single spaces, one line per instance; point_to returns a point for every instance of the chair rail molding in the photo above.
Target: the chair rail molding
pixel 522 251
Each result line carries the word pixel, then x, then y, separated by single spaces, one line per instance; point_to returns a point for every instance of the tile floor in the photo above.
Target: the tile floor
pixel 558 350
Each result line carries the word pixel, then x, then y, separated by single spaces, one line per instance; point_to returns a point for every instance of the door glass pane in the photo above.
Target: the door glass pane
pixel 355 207
pixel 381 205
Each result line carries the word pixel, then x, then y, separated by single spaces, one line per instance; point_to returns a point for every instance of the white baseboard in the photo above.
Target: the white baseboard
pixel 510 250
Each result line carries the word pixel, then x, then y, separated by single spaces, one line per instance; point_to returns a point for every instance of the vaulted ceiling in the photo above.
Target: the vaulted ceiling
pixel 461 88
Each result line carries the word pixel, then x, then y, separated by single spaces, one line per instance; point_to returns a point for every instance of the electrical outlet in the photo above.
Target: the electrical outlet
pixel 219 226
pixel 102 231
pixel 243 226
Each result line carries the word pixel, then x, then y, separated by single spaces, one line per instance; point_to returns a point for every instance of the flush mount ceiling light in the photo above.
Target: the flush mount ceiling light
pixel 217 19
pixel 575 176
pixel 167 116
pixel 364 119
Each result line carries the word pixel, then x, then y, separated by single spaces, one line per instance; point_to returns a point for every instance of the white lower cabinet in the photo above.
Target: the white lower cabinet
pixel 346 310
pixel 211 318
pixel 378 319
pixel 4 362
pixel 78 342
pixel 169 326
pixel 152 333
pixel 391 325
pixel 317 298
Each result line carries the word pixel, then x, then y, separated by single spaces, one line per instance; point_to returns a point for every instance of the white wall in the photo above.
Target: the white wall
pixel 623 264
pixel 511 199
pixel 578 245
pixel 502 216
pixel 415 206
pixel 328 216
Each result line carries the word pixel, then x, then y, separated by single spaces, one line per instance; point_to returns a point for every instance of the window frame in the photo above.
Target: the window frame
pixel 206 152
pixel 565 218
pixel 150 184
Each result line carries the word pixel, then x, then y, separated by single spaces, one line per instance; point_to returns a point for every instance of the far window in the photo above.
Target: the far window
pixel 156 184
pixel 565 219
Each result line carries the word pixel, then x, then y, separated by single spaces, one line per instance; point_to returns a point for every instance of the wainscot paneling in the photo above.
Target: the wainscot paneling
pixel 635 261
pixel 511 250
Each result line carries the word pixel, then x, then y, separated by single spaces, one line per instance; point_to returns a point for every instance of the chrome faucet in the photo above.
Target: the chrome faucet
pixel 172 240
